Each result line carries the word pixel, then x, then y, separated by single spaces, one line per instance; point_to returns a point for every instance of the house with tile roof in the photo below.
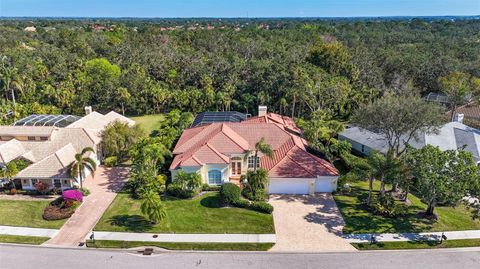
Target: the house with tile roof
pixel 50 149
pixel 222 152
pixel 451 136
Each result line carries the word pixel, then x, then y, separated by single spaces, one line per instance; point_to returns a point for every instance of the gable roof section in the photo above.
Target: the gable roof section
pixel 284 121
pixel 11 150
pixel 53 166
pixel 114 116
pixel 293 161
pixel 210 144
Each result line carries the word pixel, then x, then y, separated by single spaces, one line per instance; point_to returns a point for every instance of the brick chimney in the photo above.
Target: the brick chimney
pixel 262 111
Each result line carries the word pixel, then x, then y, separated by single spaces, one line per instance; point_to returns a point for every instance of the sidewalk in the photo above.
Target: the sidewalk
pixel 186 238
pixel 399 237
pixel 26 231
pixel 103 187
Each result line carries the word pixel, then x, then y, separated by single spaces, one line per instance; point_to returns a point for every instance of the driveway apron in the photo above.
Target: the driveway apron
pixel 103 189
pixel 308 224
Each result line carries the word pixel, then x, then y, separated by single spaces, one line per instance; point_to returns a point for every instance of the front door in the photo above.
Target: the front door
pixel 236 168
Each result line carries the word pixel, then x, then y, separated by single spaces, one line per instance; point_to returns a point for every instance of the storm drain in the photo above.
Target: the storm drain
pixel 146 252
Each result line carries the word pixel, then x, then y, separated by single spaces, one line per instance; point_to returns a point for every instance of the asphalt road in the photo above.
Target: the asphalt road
pixel 14 256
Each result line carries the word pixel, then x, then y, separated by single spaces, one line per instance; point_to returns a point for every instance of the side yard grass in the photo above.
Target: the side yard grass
pixel 359 220
pixel 418 244
pixel 148 122
pixel 20 239
pixel 26 214
pixel 199 215
pixel 182 246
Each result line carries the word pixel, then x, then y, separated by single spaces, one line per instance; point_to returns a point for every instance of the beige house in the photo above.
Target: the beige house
pixel 51 149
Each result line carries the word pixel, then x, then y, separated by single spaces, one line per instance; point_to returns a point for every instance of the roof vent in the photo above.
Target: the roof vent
pixel 458 117
pixel 262 111
pixel 88 110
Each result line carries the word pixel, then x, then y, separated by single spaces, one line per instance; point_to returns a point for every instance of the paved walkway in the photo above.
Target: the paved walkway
pixel 26 231
pixel 190 238
pixel 103 188
pixel 432 236
pixel 308 224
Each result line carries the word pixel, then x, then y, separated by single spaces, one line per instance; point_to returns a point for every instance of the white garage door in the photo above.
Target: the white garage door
pixel 323 185
pixel 288 186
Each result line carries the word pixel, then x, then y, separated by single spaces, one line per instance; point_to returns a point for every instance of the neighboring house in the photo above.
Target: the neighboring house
pixel 470 114
pixel 50 142
pixel 453 135
pixel 218 152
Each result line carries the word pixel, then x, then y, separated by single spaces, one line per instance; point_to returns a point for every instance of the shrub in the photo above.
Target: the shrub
pixel 206 187
pixel 110 161
pixel 260 195
pixel 177 191
pixel 13 191
pixel 72 195
pixel 229 192
pixel 42 187
pixel 386 206
pixel 263 207
pixel 84 191
pixel 242 203
pixel 53 212
pixel 185 185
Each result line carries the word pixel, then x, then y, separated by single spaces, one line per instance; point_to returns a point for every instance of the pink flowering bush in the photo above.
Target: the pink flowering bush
pixel 72 195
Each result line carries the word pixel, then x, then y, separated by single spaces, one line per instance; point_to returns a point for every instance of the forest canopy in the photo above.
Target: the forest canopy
pixel 295 67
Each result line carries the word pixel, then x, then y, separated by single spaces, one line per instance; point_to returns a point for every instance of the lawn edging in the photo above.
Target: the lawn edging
pixel 462 243
pixel 181 245
pixel 183 238
pixel 414 237
pixel 22 239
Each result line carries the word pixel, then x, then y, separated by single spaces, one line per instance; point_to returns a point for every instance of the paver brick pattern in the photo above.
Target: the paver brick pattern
pixel 103 187
pixel 308 224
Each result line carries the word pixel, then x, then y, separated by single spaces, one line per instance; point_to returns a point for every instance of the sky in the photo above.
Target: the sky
pixel 236 8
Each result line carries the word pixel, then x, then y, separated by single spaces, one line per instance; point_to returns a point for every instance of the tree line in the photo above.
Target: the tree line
pixel 295 67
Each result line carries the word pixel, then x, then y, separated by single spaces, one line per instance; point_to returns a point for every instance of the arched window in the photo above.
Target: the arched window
pixel 214 177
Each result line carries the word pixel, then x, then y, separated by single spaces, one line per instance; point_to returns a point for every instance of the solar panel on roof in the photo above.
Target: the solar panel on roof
pixel 47 120
pixel 221 116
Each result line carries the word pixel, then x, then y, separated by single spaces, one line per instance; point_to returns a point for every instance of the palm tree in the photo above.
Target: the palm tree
pixel 153 207
pixel 82 162
pixel 263 147
pixel 9 81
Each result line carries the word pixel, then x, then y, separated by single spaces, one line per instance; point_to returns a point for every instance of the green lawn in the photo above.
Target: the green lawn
pixel 359 220
pixel 182 246
pixel 26 214
pixel 148 122
pixel 18 239
pixel 418 244
pixel 199 215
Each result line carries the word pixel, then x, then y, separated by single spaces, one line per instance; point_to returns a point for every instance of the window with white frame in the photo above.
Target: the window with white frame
pixel 57 183
pixel 251 162
pixel 214 177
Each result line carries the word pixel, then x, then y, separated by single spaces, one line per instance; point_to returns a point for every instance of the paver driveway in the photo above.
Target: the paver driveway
pixel 308 223
pixel 103 188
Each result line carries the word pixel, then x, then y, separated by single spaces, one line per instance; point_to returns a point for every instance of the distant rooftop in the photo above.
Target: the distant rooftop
pixel 47 120
pixel 221 116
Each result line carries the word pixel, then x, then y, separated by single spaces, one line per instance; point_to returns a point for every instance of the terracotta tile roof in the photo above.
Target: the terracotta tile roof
pixel 284 121
pixel 213 143
pixel 471 110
